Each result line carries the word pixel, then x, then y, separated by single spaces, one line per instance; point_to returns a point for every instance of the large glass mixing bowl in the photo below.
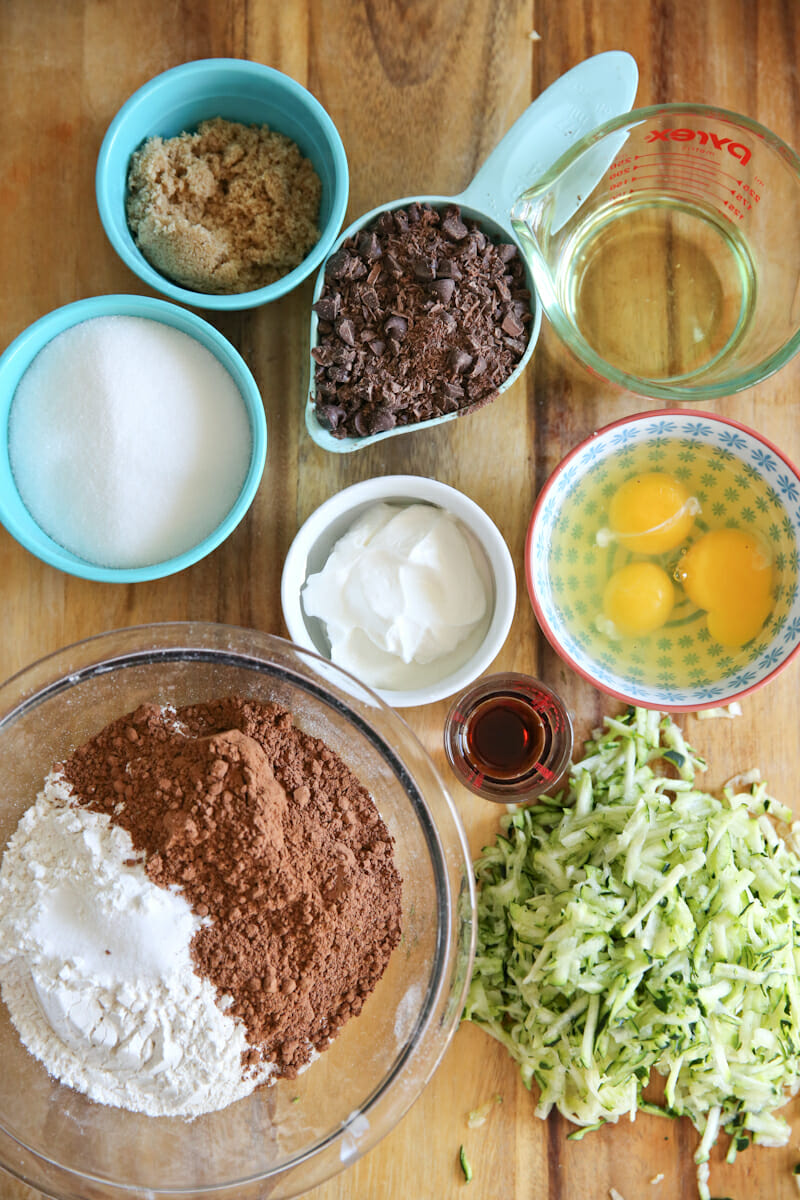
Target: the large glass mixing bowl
pixel 282 1140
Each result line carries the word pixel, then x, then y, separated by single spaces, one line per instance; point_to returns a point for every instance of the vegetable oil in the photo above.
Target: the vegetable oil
pixel 659 289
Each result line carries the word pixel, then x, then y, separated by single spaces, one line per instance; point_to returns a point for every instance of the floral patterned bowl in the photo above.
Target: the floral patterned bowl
pixel 740 481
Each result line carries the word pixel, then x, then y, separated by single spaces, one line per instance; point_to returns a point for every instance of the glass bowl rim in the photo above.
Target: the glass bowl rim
pixel 452 958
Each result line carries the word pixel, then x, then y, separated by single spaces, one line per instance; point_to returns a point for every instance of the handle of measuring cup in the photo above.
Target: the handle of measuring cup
pixel 589 94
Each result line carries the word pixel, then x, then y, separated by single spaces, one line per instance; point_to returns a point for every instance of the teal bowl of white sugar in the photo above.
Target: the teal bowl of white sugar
pixel 135 438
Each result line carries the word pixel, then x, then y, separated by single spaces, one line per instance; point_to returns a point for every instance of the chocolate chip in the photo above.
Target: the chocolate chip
pixel 458 360
pixel 503 290
pixel 369 299
pixel 342 355
pixel 512 326
pixel 327 307
pixel 396 326
pixel 384 223
pixel 338 264
pixel 448 269
pixel 338 374
pixel 454 227
pixel 378 421
pixel 444 289
pixel 393 266
pixel 347 331
pixel 369 246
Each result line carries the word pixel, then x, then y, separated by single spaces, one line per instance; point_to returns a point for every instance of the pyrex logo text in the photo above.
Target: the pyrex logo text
pixel 687 135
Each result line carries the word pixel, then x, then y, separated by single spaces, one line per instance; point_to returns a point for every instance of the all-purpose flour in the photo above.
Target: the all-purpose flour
pixel 96 972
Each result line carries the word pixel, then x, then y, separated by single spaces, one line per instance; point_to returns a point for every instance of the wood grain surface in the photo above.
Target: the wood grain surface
pixel 421 91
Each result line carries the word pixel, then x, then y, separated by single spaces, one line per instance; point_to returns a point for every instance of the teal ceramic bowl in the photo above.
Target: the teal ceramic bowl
pixel 238 90
pixel 16 360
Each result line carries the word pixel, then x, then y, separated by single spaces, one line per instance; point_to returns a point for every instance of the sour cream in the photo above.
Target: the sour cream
pixel 403 595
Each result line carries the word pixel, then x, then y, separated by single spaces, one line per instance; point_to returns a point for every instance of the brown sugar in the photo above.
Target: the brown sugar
pixel 230 208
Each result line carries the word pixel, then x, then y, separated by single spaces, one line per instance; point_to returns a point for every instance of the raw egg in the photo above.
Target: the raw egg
pixel 728 572
pixel 638 598
pixel 650 513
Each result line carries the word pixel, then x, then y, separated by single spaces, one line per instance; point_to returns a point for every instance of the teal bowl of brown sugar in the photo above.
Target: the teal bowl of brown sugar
pixel 222 183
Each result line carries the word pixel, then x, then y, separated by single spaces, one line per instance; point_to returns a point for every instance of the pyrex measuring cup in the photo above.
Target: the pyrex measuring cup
pixel 665 248
pixel 593 91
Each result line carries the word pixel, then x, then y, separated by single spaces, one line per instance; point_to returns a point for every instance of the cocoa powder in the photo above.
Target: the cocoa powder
pixel 270 835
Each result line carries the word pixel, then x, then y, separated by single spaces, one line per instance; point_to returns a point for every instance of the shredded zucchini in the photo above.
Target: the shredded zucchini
pixel 637 923
pixel 477 1116
pixel 734 709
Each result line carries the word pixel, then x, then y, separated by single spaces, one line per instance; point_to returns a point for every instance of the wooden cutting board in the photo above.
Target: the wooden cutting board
pixel 421 92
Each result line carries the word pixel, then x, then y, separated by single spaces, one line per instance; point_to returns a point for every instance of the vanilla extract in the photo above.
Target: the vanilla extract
pixel 509 738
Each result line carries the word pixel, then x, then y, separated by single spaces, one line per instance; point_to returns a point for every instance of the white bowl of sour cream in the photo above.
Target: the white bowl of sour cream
pixel 404 582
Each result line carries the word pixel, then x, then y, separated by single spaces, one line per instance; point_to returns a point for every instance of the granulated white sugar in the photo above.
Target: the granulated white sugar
pixel 128 440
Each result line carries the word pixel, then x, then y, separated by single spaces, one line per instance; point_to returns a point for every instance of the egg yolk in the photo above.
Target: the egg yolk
pixel 728 572
pixel 651 513
pixel 638 598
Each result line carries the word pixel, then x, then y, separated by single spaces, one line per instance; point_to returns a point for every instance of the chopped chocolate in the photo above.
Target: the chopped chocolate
pixel 458 361
pixel 327 308
pixel 393 266
pixel 448 269
pixel 425 269
pixel 396 326
pixel 421 314
pixel 369 246
pixel 443 289
pixel 454 227
pixel 512 326
pixel 347 330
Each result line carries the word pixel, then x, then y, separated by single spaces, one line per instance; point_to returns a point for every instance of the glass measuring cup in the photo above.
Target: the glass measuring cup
pixel 665 248
pixel 593 91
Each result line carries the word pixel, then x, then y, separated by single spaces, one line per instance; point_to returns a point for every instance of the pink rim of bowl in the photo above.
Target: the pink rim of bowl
pixel 791 499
